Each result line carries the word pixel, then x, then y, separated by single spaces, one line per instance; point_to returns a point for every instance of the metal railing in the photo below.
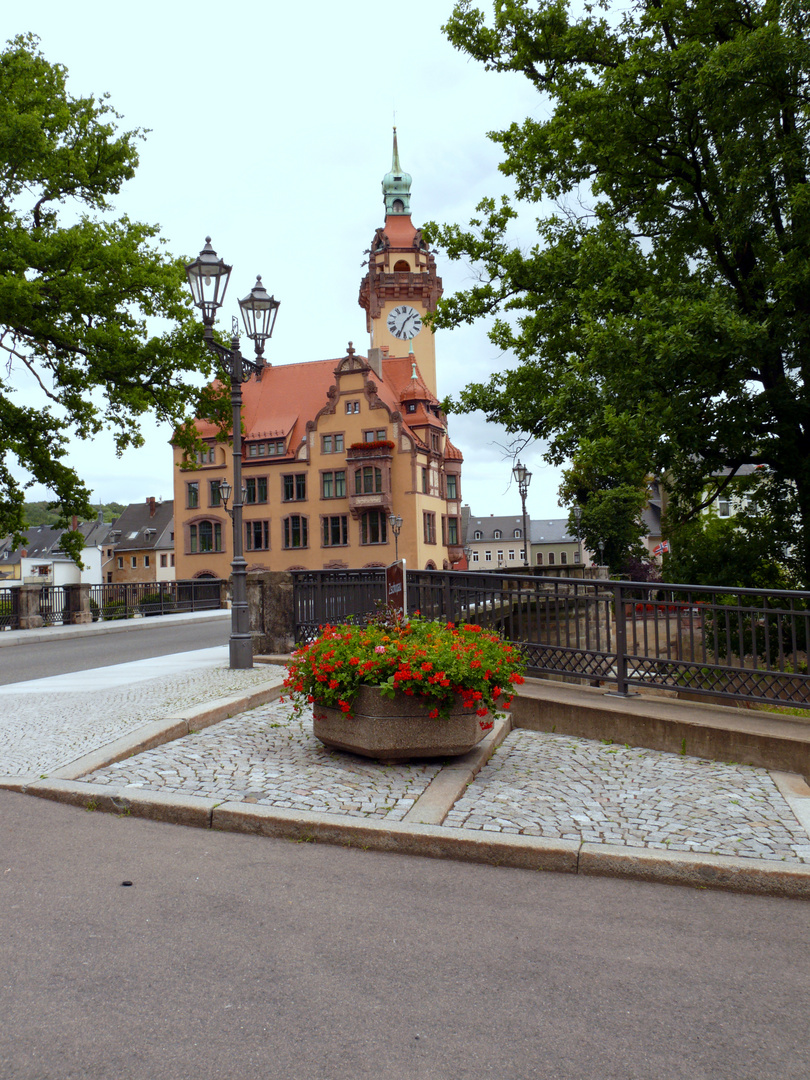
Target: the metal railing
pixel 9 609
pixel 126 600
pixel 52 605
pixel 737 644
pixel 333 596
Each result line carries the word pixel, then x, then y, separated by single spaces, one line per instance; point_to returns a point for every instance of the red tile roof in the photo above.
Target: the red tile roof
pixel 288 395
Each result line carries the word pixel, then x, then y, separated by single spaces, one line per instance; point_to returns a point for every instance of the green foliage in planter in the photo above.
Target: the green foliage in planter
pixel 150 603
pixel 115 611
pixel 435 661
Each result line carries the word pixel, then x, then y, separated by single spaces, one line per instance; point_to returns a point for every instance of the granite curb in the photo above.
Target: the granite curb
pixel 694 870
pixel 433 805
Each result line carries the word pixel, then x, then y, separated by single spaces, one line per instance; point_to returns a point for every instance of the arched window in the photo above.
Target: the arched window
pixel 551 558
pixel 497 534
pixel 402 266
pixel 368 480
pixel 204 536
pixel 539 558
pixel 478 535
pixel 563 558
pixel 517 534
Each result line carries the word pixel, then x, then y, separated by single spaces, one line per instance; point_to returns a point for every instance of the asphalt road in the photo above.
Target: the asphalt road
pixel 239 956
pixel 81 652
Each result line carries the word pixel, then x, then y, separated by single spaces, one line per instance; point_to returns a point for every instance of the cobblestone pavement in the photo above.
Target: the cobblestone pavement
pixel 539 784
pixel 536 784
pixel 269 757
pixel 40 732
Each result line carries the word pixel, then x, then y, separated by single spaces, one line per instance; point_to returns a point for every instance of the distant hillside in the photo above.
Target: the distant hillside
pixel 37 513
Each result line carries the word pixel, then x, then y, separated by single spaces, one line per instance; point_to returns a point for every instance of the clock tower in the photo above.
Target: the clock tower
pixel 401 284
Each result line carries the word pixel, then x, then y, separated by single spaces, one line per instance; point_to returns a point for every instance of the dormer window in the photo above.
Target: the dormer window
pixel 478 535
pixel 517 534
pixel 497 534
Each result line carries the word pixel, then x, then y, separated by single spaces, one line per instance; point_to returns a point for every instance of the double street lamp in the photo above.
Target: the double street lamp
pixel 208 278
pixel 523 478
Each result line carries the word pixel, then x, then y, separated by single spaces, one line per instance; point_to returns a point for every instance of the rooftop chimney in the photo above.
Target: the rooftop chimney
pixel 375 361
pixel 150 502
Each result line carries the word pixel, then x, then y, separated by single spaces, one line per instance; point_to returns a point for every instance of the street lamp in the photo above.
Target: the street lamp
pixel 523 478
pixel 395 521
pixel 578 523
pixel 208 279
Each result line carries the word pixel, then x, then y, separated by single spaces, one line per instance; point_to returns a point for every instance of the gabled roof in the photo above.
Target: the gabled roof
pixel 144 526
pixel 44 541
pixel 551 531
pixel 288 396
pixel 488 526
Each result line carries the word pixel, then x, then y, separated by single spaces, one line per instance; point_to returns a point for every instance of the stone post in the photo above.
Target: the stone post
pixel 272 615
pixel 30 618
pixel 77 604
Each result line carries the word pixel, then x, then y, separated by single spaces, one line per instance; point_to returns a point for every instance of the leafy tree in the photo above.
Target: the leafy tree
pixel 42 513
pixel 668 292
pixel 751 549
pixel 611 491
pixel 79 290
pixel 722 551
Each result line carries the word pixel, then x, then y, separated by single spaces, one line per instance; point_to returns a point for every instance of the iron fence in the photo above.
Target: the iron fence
pixel 53 605
pixel 9 609
pixel 129 599
pixel 736 644
pixel 331 596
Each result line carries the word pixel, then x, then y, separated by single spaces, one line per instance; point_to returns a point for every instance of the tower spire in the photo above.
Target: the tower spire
pixel 396 187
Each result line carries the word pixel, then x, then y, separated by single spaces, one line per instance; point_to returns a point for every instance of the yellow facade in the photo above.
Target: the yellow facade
pixel 333 448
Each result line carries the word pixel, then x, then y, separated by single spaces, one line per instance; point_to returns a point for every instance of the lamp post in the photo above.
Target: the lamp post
pixel 208 279
pixel 578 522
pixel 395 521
pixel 523 478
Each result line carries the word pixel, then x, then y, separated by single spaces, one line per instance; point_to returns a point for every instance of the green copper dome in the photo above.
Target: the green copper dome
pixel 396 187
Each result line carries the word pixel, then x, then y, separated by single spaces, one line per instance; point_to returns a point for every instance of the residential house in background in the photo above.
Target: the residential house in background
pixel 553 545
pixel 39 559
pixel 140 544
pixel 495 542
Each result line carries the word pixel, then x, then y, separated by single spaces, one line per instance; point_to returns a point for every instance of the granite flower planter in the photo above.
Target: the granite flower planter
pixel 399 728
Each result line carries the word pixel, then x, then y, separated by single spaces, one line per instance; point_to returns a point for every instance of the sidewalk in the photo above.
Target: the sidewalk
pixel 110 626
pixel 186 740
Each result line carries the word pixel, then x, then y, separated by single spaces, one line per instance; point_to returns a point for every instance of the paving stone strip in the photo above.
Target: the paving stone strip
pixel 535 785
pixel 270 757
pixel 41 732
pixel 539 784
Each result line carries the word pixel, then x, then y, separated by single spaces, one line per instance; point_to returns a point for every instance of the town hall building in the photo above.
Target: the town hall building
pixel 334 449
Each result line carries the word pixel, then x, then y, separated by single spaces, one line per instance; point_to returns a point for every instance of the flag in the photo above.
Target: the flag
pixel 662 548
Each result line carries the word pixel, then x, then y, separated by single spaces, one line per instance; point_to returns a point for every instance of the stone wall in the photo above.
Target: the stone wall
pixel 272 615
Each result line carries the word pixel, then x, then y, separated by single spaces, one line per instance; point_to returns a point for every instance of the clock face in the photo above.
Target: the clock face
pixel 404 322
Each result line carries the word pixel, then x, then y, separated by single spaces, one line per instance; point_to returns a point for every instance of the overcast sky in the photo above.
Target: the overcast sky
pixel 271 131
